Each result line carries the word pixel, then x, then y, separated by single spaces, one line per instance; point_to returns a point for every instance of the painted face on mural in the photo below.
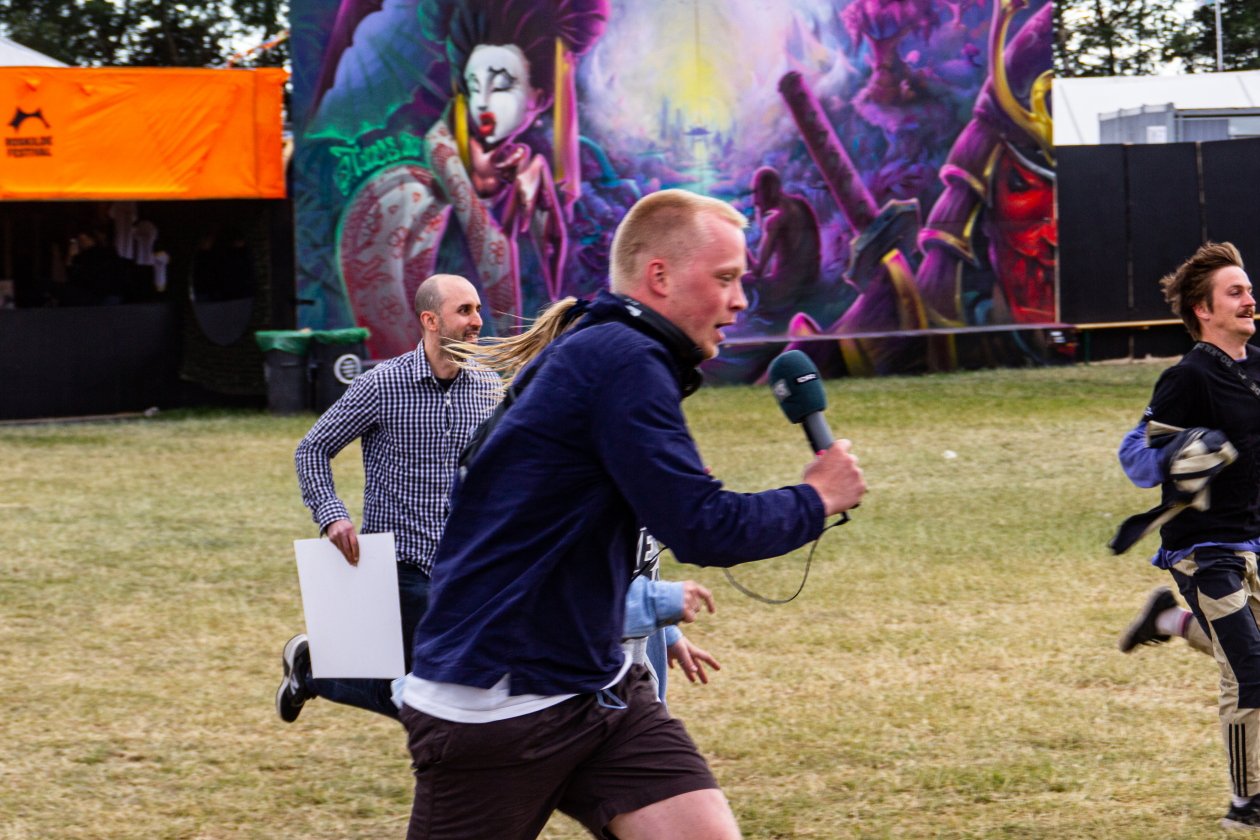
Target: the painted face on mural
pixel 1024 239
pixel 500 98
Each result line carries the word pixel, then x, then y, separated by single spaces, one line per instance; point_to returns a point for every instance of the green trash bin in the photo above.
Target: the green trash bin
pixel 336 358
pixel 285 369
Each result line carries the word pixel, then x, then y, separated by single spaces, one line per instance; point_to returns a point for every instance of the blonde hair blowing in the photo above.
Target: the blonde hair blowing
pixel 665 224
pixel 507 355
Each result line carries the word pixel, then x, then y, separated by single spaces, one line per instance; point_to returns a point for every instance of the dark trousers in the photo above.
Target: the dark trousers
pixel 1222 590
pixel 377 695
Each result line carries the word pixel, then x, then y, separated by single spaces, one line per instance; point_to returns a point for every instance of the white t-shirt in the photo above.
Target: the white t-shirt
pixel 464 704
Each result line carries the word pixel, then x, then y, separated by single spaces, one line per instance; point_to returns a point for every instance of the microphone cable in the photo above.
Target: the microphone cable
pixel 756 596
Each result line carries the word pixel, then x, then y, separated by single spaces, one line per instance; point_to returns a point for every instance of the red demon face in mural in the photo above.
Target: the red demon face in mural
pixel 1023 238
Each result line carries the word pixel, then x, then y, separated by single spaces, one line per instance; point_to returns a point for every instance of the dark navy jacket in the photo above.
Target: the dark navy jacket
pixel 531 575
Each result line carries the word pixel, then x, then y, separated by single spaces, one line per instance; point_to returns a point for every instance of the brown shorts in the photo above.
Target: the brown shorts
pixel 503 779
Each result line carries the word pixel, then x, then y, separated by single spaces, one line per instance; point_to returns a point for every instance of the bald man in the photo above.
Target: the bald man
pixel 413 414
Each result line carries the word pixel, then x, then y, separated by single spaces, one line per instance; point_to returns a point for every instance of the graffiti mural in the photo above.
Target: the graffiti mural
pixel 893 158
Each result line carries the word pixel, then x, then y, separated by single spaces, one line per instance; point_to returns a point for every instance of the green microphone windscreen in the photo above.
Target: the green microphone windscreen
pixel 796 385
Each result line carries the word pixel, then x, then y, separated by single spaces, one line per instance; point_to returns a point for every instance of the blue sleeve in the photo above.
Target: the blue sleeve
pixel 650 454
pixel 651 605
pixel 1140 462
pixel 672 634
pixel 1178 392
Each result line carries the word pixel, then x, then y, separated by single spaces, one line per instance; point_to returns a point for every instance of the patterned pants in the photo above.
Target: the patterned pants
pixel 1223 591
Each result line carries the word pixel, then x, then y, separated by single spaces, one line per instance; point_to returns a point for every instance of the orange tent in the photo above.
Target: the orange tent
pixel 75 133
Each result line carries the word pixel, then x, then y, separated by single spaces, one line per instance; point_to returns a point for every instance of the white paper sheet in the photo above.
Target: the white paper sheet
pixel 352 616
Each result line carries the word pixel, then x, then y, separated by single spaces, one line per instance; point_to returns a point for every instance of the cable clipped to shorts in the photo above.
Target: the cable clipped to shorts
pixel 756 596
pixel 608 700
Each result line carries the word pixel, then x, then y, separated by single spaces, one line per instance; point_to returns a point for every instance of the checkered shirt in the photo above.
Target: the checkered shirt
pixel 411 433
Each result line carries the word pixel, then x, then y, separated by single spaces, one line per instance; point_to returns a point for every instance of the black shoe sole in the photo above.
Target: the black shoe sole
pixel 1142 630
pixel 288 704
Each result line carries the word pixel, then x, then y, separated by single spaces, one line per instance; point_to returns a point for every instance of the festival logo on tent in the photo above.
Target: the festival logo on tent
pixel 27 144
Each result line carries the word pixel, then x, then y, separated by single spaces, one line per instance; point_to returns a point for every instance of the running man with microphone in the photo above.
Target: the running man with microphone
pixel 520 701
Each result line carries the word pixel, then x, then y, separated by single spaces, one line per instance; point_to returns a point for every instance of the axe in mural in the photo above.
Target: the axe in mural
pixel 998 189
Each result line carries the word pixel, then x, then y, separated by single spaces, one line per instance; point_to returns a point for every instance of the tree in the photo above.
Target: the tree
pixel 147 32
pixel 1240 36
pixel 1114 37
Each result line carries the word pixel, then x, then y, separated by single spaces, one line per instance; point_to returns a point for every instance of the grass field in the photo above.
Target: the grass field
pixel 949 671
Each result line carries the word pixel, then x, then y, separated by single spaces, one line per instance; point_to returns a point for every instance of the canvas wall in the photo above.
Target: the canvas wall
pixel 893 160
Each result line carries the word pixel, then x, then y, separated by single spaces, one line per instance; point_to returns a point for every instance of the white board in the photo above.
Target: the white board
pixel 352 615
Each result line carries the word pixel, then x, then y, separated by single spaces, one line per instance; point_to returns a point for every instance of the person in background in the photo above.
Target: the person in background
pixel 1206 404
pixel 413 414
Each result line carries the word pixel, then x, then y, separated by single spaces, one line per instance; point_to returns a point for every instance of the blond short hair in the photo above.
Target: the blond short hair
pixel 667 224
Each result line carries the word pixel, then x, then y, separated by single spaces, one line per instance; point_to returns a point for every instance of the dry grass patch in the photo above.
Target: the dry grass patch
pixel 949 671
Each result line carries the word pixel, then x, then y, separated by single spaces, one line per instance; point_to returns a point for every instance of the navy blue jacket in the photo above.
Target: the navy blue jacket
pixel 531 574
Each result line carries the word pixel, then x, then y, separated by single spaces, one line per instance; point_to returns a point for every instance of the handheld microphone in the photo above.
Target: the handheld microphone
pixel 797 386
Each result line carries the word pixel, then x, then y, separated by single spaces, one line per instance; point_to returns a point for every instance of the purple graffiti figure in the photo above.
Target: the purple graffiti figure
pixel 787 265
pixel 510 60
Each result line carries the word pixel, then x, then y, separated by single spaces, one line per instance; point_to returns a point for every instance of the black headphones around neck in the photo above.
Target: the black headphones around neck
pixel 687 356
